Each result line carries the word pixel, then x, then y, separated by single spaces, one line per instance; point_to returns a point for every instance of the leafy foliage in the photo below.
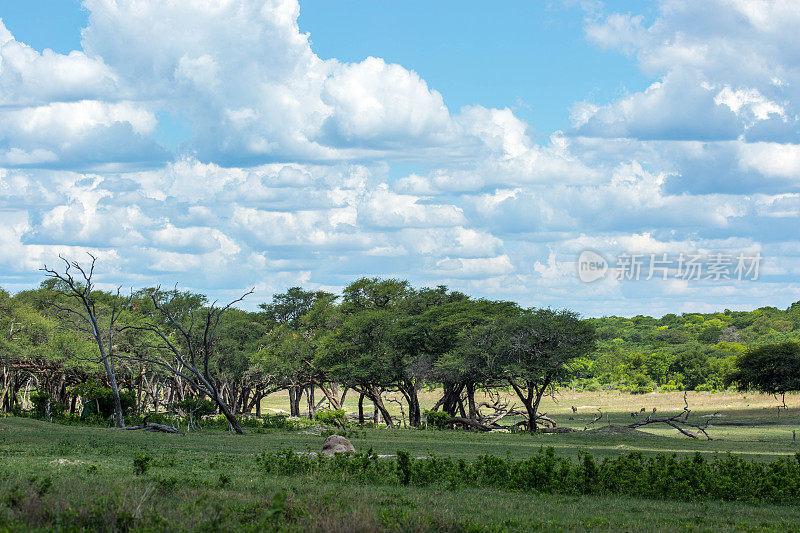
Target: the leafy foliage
pixel 771 368
pixel 658 476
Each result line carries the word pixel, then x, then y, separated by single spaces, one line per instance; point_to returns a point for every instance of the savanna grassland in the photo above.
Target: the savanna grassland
pixel 416 359
pixel 73 477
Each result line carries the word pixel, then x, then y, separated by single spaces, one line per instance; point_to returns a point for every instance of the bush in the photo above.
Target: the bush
pixel 43 405
pixel 155 418
pixel 659 476
pixel 196 407
pixel 644 389
pixel 437 419
pixel 96 396
pixel 278 422
pixel 141 464
pixel 332 418
pixel 671 385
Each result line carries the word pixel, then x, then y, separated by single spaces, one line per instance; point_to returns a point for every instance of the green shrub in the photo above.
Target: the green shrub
pixel 141 464
pixel 659 476
pixel 98 397
pixel 278 422
pixel 335 417
pixel 155 418
pixel 43 404
pixel 437 419
pixel 197 407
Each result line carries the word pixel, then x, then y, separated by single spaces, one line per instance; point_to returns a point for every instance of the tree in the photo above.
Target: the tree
pixel 531 351
pixel 694 367
pixel 296 319
pixel 457 337
pixel 237 339
pixel 361 351
pixel 186 350
pixel 421 338
pixel 87 319
pixel 770 368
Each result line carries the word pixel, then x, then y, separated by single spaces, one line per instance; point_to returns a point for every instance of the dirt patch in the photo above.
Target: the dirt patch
pixel 67 462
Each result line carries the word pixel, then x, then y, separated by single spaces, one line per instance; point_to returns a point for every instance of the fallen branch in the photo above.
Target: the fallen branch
pixel 679 421
pixel 151 426
pixel 469 422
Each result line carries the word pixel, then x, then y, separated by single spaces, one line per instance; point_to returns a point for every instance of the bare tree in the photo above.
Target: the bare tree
pixel 187 352
pixel 87 319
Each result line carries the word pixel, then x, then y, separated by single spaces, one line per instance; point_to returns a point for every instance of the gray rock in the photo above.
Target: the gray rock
pixel 336 444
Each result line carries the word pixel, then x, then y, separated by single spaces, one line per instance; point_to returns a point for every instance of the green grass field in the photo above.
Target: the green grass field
pixel 71 477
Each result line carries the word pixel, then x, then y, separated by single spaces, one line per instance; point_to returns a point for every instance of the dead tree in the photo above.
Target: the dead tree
pixel 86 319
pixel 188 352
pixel 679 421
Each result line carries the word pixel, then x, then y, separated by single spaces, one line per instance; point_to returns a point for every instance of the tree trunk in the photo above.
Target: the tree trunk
pixel 112 380
pixel 461 408
pixel 527 398
pixel 381 408
pixel 228 415
pixel 409 391
pixel 361 409
pixel 449 402
pixel 473 412
pixel 310 400
pixel 294 401
pixel 330 394
pixel 531 415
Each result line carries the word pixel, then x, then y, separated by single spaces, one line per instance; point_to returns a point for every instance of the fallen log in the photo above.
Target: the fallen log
pixel 152 426
pixel 468 422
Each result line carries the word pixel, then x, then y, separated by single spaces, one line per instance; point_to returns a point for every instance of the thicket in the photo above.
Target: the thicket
pixel 659 476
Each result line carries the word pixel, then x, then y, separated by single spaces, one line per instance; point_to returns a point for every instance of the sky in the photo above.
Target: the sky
pixel 229 144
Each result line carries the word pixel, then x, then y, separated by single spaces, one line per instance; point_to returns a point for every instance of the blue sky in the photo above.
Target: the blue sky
pixel 272 143
pixel 530 56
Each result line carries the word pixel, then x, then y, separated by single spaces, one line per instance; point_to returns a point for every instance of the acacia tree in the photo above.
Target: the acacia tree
pixel 459 340
pixel 531 351
pixel 87 318
pixel 284 356
pixel 296 319
pixel 186 348
pixel 770 368
pixel 360 350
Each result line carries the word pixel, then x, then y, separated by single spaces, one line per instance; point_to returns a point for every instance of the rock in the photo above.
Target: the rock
pixel 336 444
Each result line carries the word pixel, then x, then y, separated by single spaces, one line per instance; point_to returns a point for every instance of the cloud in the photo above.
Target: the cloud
pixel 724 67
pixel 28 77
pixel 255 91
pixel 291 174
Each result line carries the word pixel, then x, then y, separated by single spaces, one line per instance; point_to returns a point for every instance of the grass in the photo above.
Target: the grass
pixel 54 476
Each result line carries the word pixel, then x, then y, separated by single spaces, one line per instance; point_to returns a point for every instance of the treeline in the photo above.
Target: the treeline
pixel 172 348
pixel 67 341
pixel 691 351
